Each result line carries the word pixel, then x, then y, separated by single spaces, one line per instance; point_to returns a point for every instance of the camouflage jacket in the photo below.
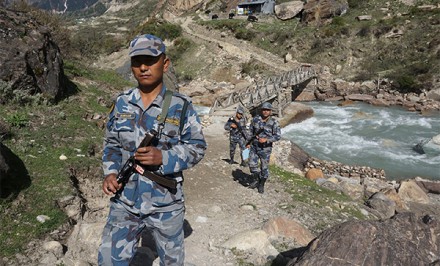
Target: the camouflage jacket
pixel 127 124
pixel 271 130
pixel 239 132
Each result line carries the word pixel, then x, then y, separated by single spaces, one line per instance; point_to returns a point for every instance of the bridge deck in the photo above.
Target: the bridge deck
pixel 275 89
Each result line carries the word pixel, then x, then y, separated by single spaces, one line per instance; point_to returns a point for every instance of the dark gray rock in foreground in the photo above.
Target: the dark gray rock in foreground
pixel 404 239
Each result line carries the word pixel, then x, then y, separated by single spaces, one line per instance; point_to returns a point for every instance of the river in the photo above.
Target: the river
pixel 379 137
pixel 366 135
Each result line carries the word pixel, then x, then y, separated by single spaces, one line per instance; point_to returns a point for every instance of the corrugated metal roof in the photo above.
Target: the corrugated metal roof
pixel 250 2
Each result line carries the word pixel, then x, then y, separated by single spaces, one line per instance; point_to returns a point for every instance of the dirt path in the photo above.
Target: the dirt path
pixel 214 202
pixel 234 47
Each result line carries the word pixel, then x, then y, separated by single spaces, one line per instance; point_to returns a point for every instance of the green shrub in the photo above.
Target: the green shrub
pixel 17 120
pixel 92 43
pixel 406 84
pixel 252 68
pixel 244 34
pixel 181 45
pixel 419 68
pixel 364 31
pixel 5 91
pixel 356 3
pixel 163 30
pixel 74 69
pixel 338 21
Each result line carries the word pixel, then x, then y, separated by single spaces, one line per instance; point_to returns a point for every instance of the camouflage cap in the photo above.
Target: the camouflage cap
pixel 266 105
pixel 146 44
pixel 240 110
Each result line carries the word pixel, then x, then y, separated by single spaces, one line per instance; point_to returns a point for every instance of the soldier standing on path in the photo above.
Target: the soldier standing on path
pixel 178 144
pixel 265 130
pixel 236 126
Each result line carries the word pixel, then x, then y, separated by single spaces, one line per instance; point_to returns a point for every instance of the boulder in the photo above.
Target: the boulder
pixel 317 10
pixel 314 174
pixel 287 228
pixel 252 241
pixel 351 188
pixel 404 239
pixel 295 113
pixel 429 186
pixel 433 94
pixel 391 193
pixel 364 17
pixel 305 96
pixel 359 97
pixel 31 61
pixel 288 155
pixel 410 191
pixel 4 168
pixel 288 10
pixel 382 204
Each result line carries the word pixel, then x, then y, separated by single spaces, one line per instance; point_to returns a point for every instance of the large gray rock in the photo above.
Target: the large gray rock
pixel 295 112
pixel 288 10
pixel 30 62
pixel 317 11
pixel 433 94
pixel 3 168
pixel 405 239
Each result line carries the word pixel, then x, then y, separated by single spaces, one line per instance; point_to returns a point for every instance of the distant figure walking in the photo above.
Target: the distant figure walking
pixel 265 130
pixel 236 126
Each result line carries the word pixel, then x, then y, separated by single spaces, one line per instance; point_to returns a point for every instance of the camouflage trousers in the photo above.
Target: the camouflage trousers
pixel 123 230
pixel 233 142
pixel 259 161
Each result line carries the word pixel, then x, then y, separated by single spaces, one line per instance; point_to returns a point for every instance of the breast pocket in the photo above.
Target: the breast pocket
pixel 170 136
pixel 126 133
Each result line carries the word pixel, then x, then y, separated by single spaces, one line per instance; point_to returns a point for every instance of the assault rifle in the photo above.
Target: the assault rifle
pixel 240 128
pixel 254 136
pixel 132 166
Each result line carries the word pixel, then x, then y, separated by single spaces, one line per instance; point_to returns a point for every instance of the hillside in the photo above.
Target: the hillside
pixel 389 44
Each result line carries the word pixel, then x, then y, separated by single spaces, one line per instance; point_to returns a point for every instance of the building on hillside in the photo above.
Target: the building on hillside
pixel 248 7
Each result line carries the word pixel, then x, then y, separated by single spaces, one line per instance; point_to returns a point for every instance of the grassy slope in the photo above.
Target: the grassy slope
pixel 360 48
pixel 50 132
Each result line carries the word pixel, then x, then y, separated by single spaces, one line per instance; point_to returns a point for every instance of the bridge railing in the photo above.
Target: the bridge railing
pixel 266 90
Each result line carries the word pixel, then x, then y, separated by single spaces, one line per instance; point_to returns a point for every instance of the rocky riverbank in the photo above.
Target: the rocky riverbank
pixel 377 92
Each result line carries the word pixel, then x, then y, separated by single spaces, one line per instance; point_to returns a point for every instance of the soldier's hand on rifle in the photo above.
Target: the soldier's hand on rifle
pixel 110 185
pixel 233 125
pixel 148 156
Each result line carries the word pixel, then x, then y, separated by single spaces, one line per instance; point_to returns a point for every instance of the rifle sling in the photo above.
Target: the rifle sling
pixel 166 105
pixel 161 180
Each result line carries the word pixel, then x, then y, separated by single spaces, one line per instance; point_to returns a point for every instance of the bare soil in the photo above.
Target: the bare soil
pixel 215 195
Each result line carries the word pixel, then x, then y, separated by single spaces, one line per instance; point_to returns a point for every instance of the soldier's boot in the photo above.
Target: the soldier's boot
pixel 244 163
pixel 254 184
pixel 231 161
pixel 261 185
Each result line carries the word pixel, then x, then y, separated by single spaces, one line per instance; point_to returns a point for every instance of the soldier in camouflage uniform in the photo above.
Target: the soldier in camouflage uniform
pixel 236 126
pixel 265 130
pixel 141 203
